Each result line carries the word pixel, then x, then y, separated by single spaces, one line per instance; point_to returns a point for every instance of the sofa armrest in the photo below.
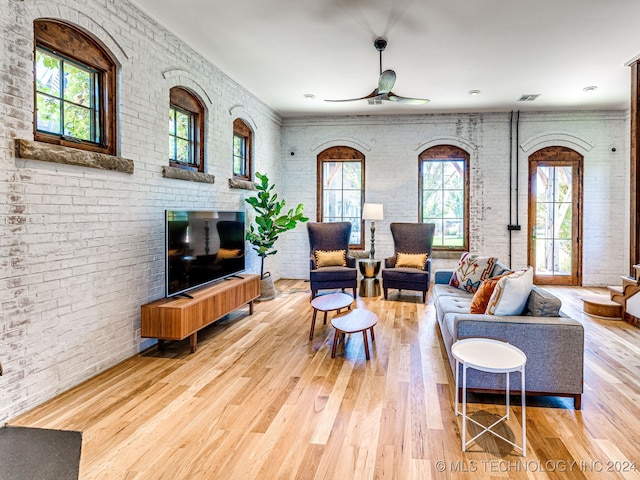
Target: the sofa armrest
pixel 442 276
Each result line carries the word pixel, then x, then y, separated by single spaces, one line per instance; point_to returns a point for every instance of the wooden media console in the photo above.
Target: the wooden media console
pixel 178 318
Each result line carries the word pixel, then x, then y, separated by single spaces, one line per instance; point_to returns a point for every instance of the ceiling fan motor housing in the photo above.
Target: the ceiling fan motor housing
pixel 380 43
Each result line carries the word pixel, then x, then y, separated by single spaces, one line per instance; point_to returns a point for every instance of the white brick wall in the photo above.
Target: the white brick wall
pixel 82 249
pixel 392 145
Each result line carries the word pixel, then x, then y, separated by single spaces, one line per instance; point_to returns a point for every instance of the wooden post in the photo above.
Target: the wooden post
pixel 634 231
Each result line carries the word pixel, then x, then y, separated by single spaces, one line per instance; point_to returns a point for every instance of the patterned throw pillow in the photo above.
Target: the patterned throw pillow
pixel 411 260
pixel 331 258
pixel 483 295
pixel 511 293
pixel 471 271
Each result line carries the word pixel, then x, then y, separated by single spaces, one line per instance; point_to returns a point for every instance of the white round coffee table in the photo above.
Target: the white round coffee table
pixel 491 356
pixel 353 321
pixel 328 303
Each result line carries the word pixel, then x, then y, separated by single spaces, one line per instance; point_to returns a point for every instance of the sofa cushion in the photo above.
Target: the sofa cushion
pixel 511 293
pixel 542 304
pixel 481 298
pixel 472 269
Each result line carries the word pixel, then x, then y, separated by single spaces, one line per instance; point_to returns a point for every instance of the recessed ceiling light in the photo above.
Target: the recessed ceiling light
pixel 474 92
pixel 591 88
pixel 309 96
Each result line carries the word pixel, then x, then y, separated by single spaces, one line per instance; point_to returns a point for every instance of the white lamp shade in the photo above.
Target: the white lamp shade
pixel 372 211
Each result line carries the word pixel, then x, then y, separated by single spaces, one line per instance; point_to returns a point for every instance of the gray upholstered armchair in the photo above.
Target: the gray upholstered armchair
pixel 407 269
pixel 330 264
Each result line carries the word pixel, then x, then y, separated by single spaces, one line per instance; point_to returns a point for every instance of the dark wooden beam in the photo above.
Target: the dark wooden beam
pixel 634 245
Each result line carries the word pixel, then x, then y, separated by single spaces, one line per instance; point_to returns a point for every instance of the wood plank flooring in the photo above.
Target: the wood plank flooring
pixel 258 400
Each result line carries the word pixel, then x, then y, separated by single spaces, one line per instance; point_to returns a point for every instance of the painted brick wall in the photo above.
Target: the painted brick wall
pixel 392 145
pixel 81 249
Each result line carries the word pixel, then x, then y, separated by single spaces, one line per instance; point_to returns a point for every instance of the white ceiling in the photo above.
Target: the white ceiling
pixel 281 50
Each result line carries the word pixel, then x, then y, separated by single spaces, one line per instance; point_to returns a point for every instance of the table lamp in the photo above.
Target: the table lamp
pixel 373 212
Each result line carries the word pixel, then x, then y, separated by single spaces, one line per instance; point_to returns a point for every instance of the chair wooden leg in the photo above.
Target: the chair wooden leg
pixel 424 297
pixel 386 292
pixel 354 292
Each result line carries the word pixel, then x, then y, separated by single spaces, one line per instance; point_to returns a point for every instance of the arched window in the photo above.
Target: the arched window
pixel 75 89
pixel 444 195
pixel 341 189
pixel 186 130
pixel 242 147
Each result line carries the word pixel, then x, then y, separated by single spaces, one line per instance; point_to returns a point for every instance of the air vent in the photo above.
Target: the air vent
pixel 530 97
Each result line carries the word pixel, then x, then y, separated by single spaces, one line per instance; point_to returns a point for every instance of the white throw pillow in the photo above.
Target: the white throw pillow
pixel 511 293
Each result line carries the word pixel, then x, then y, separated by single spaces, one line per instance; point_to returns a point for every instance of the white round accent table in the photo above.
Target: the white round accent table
pixel 493 356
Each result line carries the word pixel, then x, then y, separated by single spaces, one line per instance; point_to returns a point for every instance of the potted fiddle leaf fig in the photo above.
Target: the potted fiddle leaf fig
pixel 270 221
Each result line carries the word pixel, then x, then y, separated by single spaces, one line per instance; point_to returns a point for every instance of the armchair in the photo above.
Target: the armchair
pixel 329 237
pixel 409 238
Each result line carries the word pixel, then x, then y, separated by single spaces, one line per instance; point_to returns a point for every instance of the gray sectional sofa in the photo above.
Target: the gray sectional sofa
pixel 553 344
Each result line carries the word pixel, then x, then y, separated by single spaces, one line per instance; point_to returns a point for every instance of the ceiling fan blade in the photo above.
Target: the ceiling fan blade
pixel 386 81
pixel 406 100
pixel 371 95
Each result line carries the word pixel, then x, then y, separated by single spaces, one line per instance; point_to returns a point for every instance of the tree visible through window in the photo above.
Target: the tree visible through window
pixel 186 130
pixel 74 89
pixel 242 137
pixel 443 190
pixel 341 189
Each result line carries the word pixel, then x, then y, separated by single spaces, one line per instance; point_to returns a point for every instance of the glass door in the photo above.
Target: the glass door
pixel 554 216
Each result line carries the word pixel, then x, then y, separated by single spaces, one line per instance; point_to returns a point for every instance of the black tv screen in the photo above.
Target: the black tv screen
pixel 202 247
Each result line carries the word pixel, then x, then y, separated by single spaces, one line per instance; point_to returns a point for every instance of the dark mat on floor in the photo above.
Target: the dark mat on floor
pixel 39 454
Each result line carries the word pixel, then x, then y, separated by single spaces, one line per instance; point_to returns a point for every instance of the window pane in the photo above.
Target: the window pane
pixel 182 151
pixel 453 233
pixel 432 204
pixel 172 121
pixel 47 73
pixel 352 175
pixel 183 125
pixel 238 146
pixel 453 204
pixel 332 175
pixel 453 174
pixel 438 240
pixel 172 148
pixel 432 175
pixel 77 122
pixel 48 114
pixel 351 204
pixel 77 85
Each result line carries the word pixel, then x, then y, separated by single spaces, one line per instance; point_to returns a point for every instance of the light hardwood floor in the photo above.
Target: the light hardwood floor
pixel 258 400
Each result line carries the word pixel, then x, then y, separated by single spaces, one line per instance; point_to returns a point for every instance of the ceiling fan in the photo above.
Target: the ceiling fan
pixel 385 84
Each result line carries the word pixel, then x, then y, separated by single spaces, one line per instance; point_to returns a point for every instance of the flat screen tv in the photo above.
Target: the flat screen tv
pixel 202 247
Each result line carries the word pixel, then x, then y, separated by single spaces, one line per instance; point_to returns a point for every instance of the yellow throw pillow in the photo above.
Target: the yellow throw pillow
pixel 227 253
pixel 411 260
pixel 331 258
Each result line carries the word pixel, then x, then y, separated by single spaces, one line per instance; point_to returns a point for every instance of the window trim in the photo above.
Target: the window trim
pixel 439 153
pixel 182 99
pixel 340 154
pixel 241 129
pixel 71 43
